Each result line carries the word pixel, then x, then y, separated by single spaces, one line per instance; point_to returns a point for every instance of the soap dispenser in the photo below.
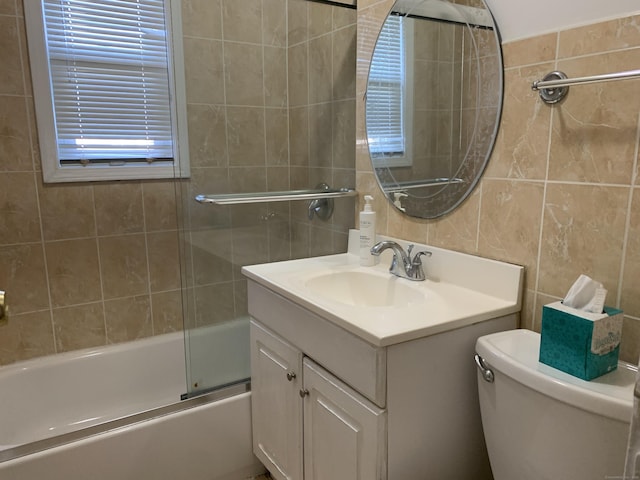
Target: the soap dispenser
pixel 367 232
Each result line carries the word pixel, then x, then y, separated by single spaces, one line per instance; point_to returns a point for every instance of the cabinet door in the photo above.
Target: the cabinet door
pixel 276 406
pixel 344 433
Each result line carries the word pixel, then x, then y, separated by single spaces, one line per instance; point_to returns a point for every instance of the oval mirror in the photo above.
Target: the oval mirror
pixel 433 103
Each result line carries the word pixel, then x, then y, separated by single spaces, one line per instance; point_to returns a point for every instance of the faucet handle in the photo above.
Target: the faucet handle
pixel 416 260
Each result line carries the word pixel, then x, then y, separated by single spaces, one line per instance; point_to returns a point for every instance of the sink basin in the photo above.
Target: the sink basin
pixel 360 289
pixel 381 308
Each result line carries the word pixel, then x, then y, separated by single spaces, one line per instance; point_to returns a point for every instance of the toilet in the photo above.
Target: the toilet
pixel 543 424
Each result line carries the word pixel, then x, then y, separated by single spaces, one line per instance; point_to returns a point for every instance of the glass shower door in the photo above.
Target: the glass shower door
pixel 270 92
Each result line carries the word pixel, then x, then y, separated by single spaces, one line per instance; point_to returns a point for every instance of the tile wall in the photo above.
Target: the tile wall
pixel 560 194
pixel 271 107
pixel 92 264
pixel 82 264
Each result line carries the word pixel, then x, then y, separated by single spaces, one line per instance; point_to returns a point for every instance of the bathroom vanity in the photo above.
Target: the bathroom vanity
pixel 357 374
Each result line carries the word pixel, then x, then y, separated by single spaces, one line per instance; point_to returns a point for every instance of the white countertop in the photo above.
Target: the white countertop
pixel 449 298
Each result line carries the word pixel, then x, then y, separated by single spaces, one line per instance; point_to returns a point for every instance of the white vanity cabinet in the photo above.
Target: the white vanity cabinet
pixel 406 411
pixel 385 366
pixel 307 424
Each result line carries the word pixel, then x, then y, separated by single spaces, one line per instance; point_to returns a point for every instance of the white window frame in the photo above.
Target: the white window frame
pixel 53 171
pixel 406 158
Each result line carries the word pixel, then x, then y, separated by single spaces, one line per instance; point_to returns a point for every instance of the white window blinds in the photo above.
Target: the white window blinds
pixel 385 92
pixel 110 80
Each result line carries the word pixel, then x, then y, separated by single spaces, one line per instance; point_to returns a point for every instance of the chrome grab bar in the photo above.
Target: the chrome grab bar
pixel 284 196
pixel 555 85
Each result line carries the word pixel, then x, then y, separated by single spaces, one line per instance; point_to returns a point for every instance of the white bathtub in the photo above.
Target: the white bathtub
pixel 66 399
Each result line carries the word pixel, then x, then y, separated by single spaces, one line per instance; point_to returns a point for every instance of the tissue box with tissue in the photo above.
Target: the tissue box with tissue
pixel 581 343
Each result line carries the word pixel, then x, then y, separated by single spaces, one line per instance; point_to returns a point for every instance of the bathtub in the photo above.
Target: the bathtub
pixel 116 412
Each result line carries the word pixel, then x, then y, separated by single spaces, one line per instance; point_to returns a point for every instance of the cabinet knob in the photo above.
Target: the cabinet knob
pixel 291 376
pixel 304 393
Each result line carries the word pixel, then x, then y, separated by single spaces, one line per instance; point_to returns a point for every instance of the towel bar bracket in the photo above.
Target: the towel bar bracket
pixel 555 85
pixel 552 94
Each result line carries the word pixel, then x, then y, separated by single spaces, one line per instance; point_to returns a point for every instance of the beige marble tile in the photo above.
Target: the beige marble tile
pixel 244 76
pixel 297 24
pixel 74 272
pixel 277 136
pixel 299 136
pixel 207 136
pixel 344 63
pixel 275 77
pixel 118 208
pixel 320 135
pixel 164 261
pixel 159 199
pixel 320 240
pixel 320 72
pixel 278 179
pixel 18 209
pixel 510 220
pixel 23 278
pixel 344 134
pixel 167 312
pixel 600 37
pixel 26 336
pixel 67 211
pixel 204 70
pixel 211 250
pixel 408 228
pixel 128 318
pixel 80 326
pixel 242 20
pixel 630 300
pixel 274 22
pixel 298 75
pixel 11 81
pixel 583 231
pixel 214 304
pixel 123 260
pixel 595 127
pixel 15 145
pixel 320 19
pixel 246 136
pixel 240 303
pixel 206 180
pixel 459 230
pixel 530 50
pixel 248 179
pixel 202 18
pixel 343 17
pixel 523 140
pixel 8 7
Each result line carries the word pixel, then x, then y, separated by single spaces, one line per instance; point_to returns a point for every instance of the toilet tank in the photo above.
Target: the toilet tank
pixel 543 424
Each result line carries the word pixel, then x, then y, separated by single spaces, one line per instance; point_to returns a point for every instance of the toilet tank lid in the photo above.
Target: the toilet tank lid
pixel 514 353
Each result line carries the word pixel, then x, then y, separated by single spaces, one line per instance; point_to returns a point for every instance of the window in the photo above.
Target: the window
pixel 109 94
pixel 389 95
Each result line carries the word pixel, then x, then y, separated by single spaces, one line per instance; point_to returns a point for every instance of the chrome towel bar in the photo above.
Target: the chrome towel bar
pixel 285 196
pixel 555 85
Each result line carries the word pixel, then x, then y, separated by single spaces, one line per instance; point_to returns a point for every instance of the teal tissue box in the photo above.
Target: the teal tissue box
pixel 583 344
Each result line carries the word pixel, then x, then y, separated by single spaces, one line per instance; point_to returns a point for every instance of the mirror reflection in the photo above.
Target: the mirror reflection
pixel 434 98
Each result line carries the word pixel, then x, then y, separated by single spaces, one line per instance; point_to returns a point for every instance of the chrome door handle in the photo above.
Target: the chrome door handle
pixel 291 376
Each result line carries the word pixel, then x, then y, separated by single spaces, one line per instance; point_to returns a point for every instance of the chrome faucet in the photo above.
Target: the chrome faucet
pixel 402 264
